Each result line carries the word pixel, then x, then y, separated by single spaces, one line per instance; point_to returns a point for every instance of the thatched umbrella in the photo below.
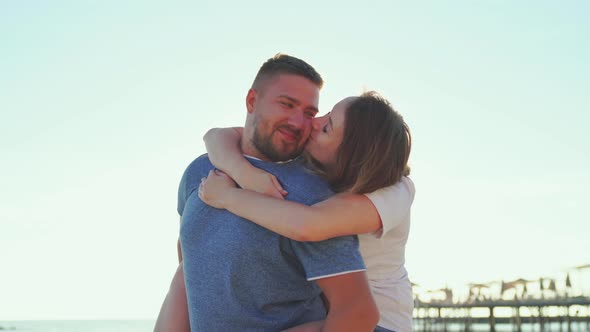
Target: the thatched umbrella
pixel 552 285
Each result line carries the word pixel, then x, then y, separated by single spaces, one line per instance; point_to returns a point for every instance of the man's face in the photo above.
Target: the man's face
pixel 283 109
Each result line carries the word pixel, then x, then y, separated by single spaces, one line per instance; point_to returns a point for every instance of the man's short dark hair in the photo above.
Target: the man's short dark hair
pixel 286 64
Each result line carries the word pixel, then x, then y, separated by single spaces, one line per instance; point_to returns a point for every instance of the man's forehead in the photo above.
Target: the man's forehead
pixel 311 106
pixel 290 81
pixel 294 87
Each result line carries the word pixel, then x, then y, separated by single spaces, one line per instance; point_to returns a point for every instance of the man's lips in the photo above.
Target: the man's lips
pixel 289 135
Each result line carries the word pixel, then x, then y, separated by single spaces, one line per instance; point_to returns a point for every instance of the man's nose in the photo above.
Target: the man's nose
pixel 297 120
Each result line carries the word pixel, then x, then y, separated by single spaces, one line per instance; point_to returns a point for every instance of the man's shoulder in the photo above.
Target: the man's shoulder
pixel 200 164
pixel 302 184
pixel 193 173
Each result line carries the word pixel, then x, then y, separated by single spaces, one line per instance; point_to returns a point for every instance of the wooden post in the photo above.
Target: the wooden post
pixel 518 320
pixel 443 319
pixel 421 315
pixel 560 319
pixel 569 320
pixel 438 317
pixel 423 319
pixel 492 320
pixel 541 325
pixel 467 320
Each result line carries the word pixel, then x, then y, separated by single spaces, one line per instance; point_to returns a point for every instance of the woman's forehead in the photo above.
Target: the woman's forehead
pixel 339 110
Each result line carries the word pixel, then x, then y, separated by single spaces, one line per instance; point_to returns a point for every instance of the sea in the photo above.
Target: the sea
pixel 77 326
pixel 148 326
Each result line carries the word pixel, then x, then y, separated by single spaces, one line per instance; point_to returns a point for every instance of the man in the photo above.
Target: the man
pixel 242 277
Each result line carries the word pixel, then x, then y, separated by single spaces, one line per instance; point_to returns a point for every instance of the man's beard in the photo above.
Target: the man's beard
pixel 265 146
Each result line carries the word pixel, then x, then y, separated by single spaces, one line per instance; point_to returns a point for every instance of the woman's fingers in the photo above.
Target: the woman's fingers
pixel 277 185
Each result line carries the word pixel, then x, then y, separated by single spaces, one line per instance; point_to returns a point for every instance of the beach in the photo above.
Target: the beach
pixel 78 325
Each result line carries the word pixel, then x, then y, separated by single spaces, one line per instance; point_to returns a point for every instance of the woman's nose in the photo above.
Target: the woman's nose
pixel 317 123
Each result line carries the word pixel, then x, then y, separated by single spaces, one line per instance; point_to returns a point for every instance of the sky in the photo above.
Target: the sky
pixel 103 104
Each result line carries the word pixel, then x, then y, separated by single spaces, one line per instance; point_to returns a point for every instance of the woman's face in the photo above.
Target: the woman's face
pixel 326 135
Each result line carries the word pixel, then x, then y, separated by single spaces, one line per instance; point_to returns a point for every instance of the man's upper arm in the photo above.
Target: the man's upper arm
pixel 178 247
pixel 329 258
pixel 189 183
pixel 346 288
pixel 352 307
pixel 338 269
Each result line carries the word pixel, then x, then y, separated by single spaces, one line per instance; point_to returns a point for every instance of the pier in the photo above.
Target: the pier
pixel 542 315
pixel 519 305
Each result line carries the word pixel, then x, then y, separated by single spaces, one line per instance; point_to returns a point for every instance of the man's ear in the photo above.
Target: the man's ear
pixel 251 100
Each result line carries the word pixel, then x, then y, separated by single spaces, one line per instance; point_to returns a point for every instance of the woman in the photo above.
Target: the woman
pixel 361 148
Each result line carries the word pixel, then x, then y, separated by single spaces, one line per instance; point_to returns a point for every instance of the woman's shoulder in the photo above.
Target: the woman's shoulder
pixel 393 203
pixel 404 188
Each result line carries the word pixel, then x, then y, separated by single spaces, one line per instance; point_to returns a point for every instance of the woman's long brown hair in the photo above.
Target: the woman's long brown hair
pixel 375 147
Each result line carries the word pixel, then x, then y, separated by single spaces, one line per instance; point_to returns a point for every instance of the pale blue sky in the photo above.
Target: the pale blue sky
pixel 104 103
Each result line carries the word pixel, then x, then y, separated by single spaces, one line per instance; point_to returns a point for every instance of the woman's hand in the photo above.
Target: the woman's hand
pixel 261 181
pixel 215 188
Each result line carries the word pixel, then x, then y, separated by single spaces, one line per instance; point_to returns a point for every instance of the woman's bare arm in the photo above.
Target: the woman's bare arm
pixel 342 214
pixel 173 315
pixel 223 148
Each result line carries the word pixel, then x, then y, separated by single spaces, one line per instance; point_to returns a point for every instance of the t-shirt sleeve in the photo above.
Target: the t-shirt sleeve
pixel 191 178
pixel 393 204
pixel 182 194
pixel 329 258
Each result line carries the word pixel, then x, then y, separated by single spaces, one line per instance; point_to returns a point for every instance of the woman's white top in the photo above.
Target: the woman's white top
pixel 384 255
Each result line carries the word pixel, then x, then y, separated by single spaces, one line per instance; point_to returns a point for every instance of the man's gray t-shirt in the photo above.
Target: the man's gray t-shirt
pixel 242 277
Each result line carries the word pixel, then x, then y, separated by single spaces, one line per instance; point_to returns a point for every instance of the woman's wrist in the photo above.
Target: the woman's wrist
pixel 244 171
pixel 230 197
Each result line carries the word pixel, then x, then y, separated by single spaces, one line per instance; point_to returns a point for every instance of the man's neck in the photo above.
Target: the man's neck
pixel 248 149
